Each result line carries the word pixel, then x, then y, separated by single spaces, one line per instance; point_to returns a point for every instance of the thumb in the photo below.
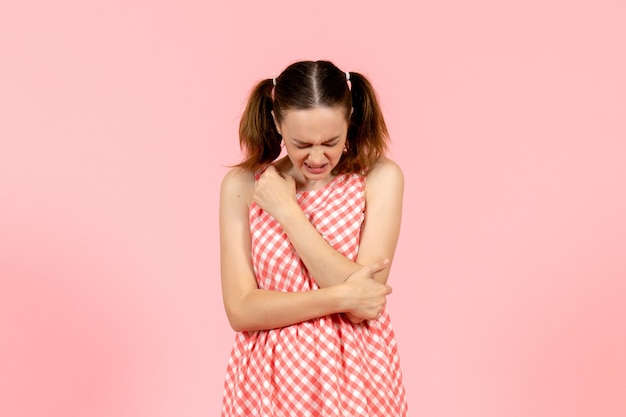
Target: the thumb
pixel 379 265
pixel 271 168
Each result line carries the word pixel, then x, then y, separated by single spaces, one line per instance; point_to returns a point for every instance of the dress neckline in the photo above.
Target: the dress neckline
pixel 324 187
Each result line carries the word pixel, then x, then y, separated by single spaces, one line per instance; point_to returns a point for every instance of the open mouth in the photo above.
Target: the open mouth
pixel 316 169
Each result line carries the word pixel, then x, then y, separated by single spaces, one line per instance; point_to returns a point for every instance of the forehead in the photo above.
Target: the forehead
pixel 315 123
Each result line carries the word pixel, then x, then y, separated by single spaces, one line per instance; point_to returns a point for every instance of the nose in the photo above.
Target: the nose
pixel 316 155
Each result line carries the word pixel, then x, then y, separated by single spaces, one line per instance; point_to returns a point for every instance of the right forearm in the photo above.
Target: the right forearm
pixel 264 309
pixel 359 295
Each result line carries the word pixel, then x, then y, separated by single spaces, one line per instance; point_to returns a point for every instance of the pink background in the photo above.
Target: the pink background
pixel 117 122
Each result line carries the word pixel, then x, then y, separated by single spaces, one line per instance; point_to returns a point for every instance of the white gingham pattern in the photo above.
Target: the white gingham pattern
pixel 327 367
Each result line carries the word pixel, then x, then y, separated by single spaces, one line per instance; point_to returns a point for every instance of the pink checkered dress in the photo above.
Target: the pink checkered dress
pixel 322 367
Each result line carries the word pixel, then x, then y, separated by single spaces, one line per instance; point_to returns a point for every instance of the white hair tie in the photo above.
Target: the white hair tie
pixel 347 76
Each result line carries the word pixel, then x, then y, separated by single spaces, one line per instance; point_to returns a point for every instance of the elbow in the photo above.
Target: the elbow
pixel 238 325
pixel 233 307
pixel 234 319
pixel 242 326
pixel 245 313
pixel 240 321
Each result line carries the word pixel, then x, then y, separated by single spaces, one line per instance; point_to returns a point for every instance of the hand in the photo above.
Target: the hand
pixel 274 193
pixel 368 297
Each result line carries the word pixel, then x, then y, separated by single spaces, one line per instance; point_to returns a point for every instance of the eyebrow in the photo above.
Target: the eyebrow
pixel 300 142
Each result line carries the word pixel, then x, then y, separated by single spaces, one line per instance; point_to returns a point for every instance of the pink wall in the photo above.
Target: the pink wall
pixel 117 120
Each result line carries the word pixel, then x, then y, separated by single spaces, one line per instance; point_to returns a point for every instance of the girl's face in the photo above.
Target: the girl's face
pixel 314 140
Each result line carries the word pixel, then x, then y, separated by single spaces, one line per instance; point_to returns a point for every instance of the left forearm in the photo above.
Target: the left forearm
pixel 328 266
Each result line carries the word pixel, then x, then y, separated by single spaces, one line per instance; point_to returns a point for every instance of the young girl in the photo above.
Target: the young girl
pixel 306 244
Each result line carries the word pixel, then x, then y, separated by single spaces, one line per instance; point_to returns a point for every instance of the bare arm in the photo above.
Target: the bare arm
pixel 250 308
pixel 383 194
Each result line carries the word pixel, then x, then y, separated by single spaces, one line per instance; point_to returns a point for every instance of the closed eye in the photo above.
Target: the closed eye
pixel 304 145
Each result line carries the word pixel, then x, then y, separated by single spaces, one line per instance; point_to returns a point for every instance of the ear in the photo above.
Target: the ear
pixel 276 123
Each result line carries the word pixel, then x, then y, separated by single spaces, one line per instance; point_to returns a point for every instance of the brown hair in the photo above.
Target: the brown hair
pixel 305 85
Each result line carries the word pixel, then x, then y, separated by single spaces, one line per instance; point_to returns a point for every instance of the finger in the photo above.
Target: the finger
pixel 379 265
pixel 270 168
pixel 274 171
pixel 268 172
pixel 354 319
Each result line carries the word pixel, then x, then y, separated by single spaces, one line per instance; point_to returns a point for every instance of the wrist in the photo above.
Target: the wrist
pixel 340 298
pixel 289 214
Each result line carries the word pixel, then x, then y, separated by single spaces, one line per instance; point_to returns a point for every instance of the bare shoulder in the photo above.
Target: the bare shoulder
pixel 384 174
pixel 237 185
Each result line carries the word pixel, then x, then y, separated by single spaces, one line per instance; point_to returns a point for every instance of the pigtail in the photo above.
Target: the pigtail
pixel 367 133
pixel 258 137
